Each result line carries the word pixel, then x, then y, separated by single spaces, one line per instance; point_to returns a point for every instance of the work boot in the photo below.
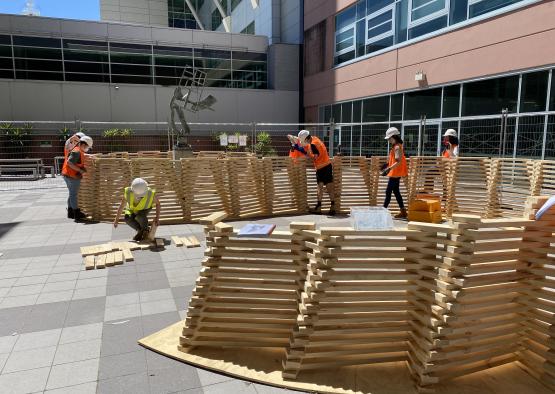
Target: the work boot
pixel 139 236
pixel 402 214
pixel 317 208
pixel 332 209
pixel 144 235
pixel 79 216
pixel 70 213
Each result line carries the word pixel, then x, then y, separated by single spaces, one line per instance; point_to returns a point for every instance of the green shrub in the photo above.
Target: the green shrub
pixel 263 146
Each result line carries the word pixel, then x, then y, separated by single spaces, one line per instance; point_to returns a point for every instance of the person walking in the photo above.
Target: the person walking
pixel 72 171
pixel 316 150
pixel 452 144
pixel 138 201
pixel 72 142
pixel 395 169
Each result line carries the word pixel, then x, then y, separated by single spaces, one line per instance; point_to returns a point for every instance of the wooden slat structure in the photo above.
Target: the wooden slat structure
pixel 449 299
pixel 251 187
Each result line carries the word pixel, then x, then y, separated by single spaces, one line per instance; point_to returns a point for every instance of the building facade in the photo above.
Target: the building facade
pixel 279 20
pixel 483 67
pixel 56 69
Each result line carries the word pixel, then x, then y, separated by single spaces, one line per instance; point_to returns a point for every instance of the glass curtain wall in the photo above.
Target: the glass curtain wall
pixel 428 113
pixel 373 25
pixel 44 58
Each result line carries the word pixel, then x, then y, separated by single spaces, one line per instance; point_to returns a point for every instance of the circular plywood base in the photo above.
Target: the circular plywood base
pixel 264 366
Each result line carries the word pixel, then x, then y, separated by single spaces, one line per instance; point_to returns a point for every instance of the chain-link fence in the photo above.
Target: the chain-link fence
pixel 503 135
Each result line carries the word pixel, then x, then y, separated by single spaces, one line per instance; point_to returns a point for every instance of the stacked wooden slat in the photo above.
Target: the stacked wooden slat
pixel 539 353
pixel 162 176
pixel 475 318
pixel 112 176
pixel 468 188
pixel 280 183
pixel 246 187
pixel 355 307
pixel 155 154
pixel 547 178
pixel 205 187
pixel 428 175
pixel 355 185
pixel 514 182
pixel 248 289
pixel 88 189
pixel 109 254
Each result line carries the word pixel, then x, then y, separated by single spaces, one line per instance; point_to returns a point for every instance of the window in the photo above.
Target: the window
pixel 6 62
pixel 180 15
pixel 451 100
pixel 423 103
pixel 533 93
pixel 216 19
pixel 480 7
pixel 345 35
pixel 315 49
pixel 380 25
pixel 234 4
pixel 86 61
pixel 249 29
pixel 552 98
pixel 396 107
pixel 490 96
pixel 169 63
pixel 427 16
pixel 375 109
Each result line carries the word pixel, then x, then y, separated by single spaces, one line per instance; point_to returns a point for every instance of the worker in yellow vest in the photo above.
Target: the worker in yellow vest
pixel 138 201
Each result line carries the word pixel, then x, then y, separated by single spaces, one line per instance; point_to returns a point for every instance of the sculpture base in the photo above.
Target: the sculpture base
pixel 182 152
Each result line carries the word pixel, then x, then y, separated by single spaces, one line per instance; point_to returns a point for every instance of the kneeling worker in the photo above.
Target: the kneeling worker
pixel 138 201
pixel 316 150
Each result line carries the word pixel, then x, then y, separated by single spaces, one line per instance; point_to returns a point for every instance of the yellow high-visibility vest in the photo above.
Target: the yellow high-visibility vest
pixel 145 203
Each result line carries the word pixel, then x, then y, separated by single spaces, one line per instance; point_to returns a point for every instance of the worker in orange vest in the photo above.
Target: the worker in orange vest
pixel 295 154
pixel 317 151
pixel 72 142
pixel 395 169
pixel 73 170
pixel 452 144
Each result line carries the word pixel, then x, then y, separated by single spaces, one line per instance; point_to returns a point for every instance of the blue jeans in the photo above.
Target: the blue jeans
pixel 73 187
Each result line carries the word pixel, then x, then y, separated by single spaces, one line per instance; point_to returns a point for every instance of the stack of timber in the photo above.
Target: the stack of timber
pixel 111 177
pixel 428 175
pixel 89 188
pixel 355 306
pixel 162 176
pixel 281 180
pixel 468 187
pixel 246 187
pixel 473 318
pixel 248 289
pixel 353 182
pixel 514 181
pixel 205 187
pixel 538 354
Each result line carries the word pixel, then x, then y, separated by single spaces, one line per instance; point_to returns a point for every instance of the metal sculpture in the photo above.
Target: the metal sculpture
pixel 188 96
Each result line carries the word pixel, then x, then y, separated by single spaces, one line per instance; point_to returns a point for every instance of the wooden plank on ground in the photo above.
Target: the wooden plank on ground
pixel 127 255
pixel 100 261
pixel 89 262
pixel 109 260
pixel 118 258
pixel 194 241
pixel 177 241
pixel 186 242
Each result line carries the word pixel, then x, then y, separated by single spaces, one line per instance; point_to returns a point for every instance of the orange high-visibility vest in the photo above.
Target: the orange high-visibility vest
pixel 402 169
pixel 323 158
pixel 446 153
pixel 295 154
pixel 70 172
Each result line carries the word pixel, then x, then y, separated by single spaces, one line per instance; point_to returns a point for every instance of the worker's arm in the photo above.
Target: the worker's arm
pixel 299 148
pixel 313 152
pixel 73 158
pixel 157 218
pixel 118 214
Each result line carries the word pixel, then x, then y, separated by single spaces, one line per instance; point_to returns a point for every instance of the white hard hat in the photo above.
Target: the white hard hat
pixel 80 134
pixel 450 133
pixel 391 132
pixel 139 186
pixel 303 134
pixel 87 140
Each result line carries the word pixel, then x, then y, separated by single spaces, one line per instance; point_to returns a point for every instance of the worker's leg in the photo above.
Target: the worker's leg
pixel 388 192
pixel 397 192
pixel 132 222
pixel 142 218
pixel 320 193
pixel 73 189
pixel 330 190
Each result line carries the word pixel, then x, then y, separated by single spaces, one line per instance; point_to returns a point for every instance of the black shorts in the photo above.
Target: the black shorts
pixel 325 174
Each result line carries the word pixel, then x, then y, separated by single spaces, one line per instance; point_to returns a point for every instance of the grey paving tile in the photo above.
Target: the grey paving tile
pixel 121 338
pixel 72 374
pixel 30 359
pixel 7 343
pixel 93 282
pixel 90 310
pixel 263 389
pixel 62 277
pixel 208 378
pixel 59 286
pixel 46 317
pixel 155 362
pixel 182 295
pixel 122 288
pixel 122 364
pixel 122 299
pixel 3 359
pixel 56 296
pixel 30 381
pixel 156 322
pixel 155 295
pixel 85 388
pixel 39 339
pixel 173 379
pixel 232 386
pixel 122 312
pixel 9 282
pixel 160 306
pixel 31 280
pixel 114 280
pixel 92 273
pixel 77 351
pixel 12 319
pixel 135 383
pixel 154 285
pixel 152 275
pixel 14 302
pixel 25 290
pixel 81 333
pixel 90 292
